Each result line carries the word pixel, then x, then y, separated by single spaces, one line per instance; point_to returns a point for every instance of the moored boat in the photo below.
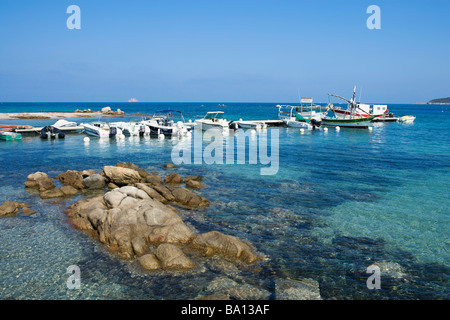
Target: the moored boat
pixel 407 119
pixel 101 129
pixel 215 120
pixel 168 123
pixel 10 135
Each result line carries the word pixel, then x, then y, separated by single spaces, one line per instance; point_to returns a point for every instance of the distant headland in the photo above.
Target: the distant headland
pixel 436 101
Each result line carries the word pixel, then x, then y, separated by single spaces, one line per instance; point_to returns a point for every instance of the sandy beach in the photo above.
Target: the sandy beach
pixel 47 115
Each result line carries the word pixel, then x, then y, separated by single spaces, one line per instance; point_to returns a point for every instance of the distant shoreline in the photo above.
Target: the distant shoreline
pixel 47 115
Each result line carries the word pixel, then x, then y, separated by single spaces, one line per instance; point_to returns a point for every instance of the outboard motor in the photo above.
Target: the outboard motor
pixel 233 125
pixel 112 131
pixel 44 132
pixel 56 131
pixel 315 123
pixel 141 130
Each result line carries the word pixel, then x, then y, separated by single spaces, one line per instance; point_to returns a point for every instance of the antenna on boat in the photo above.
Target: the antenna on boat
pixel 360 94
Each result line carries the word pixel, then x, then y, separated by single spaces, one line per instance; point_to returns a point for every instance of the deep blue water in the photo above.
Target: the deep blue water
pixel 340 202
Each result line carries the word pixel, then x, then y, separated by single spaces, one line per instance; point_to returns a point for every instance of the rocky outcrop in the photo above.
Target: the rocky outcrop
pixel 9 208
pixel 173 178
pixel 131 222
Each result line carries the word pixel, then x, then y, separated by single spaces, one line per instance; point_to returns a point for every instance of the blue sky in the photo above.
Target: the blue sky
pixel 223 51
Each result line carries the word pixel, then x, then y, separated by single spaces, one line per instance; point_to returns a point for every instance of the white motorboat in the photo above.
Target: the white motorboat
pixel 215 120
pixel 64 124
pixel 132 128
pixel 101 129
pixel 251 124
pixel 168 123
pixel 407 119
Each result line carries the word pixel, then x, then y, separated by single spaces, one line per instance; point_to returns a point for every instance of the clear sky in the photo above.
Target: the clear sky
pixel 223 51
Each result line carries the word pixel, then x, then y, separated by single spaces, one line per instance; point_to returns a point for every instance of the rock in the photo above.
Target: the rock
pixel 68 190
pixel 149 262
pixel 302 289
pixel 112 186
pixel 113 198
pixel 121 176
pixel 134 192
pixel 173 178
pixel 391 269
pixel 195 178
pixel 152 193
pixel 164 191
pixel 171 257
pixel 39 180
pixel 94 181
pixel 139 245
pixel 13 207
pixel 144 174
pixel 71 178
pixel 215 242
pixel 7 208
pixel 27 211
pixel 46 184
pixel 106 109
pixel 170 166
pixel 153 179
pixel 55 193
pixel 188 198
pixel 193 184
pixel 87 173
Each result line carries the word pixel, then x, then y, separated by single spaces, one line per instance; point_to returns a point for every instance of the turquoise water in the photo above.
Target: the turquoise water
pixel 340 202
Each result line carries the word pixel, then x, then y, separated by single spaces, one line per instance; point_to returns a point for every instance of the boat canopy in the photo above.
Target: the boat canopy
pixel 214 115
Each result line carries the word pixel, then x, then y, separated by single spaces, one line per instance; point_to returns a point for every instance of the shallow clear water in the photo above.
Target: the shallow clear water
pixel 340 202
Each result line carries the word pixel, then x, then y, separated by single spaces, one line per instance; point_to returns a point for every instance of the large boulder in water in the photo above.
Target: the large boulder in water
pixel 121 176
pixel 127 213
pixel 13 207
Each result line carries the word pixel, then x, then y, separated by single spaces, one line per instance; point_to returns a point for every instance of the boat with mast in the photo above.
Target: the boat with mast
pixel 303 116
pixel 353 117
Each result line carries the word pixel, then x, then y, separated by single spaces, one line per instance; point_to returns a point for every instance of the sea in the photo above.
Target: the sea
pixel 340 202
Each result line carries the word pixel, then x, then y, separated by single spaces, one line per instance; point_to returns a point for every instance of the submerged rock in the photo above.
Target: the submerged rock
pixel 172 258
pixel 193 184
pixel 173 178
pixel 13 207
pixel 302 289
pixel 169 166
pixel 215 242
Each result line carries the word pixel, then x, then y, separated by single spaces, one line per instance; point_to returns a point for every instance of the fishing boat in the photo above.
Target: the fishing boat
pixel 215 120
pixel 168 123
pixel 10 135
pixel 353 117
pixel 307 117
pixel 51 132
pixel 101 129
pixel 407 119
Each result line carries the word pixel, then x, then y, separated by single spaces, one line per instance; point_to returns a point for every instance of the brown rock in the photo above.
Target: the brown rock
pixel 149 262
pixel 39 180
pixel 164 191
pixel 151 192
pixel 173 178
pixel 121 176
pixel 55 193
pixel 153 179
pixel 170 166
pixel 171 257
pixel 189 199
pixel 194 184
pixel 144 174
pixel 225 245
pixel 27 211
pixel 71 178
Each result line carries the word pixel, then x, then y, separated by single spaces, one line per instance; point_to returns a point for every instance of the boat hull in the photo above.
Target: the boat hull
pixel 362 123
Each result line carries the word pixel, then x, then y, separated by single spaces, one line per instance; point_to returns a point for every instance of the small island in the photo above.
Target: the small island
pixel 436 101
